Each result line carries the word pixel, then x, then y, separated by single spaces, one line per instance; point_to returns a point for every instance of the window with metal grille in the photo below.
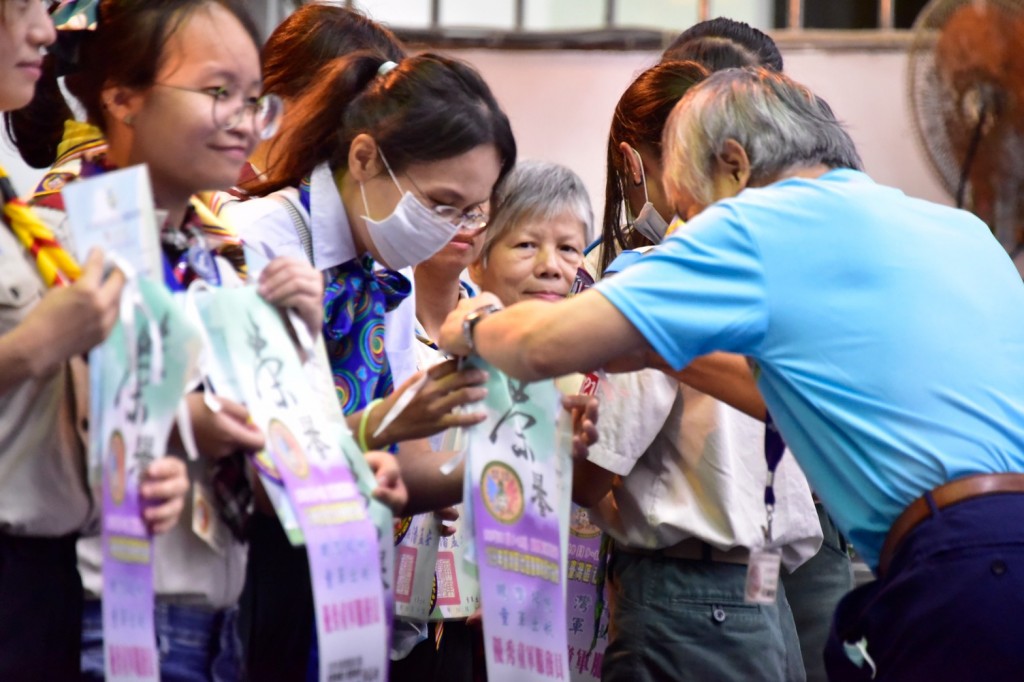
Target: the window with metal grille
pixel 606 24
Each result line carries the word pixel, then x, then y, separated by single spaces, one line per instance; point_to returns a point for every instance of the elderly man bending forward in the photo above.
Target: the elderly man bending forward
pixel 888 338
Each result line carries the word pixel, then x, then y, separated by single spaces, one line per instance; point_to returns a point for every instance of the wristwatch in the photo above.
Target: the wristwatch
pixel 470 321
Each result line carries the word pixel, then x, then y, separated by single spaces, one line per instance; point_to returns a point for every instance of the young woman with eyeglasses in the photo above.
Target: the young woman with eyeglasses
pixel 175 84
pixel 51 312
pixel 377 167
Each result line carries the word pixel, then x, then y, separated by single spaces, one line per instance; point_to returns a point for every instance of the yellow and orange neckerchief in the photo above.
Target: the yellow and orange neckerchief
pixel 56 266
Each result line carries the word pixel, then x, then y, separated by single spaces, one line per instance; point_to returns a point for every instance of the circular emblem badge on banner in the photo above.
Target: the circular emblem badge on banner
pixel 286 448
pixel 581 526
pixel 401 527
pixel 502 492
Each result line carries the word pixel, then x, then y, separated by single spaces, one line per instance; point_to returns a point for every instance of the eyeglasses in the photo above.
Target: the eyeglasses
pixel 230 108
pixel 473 218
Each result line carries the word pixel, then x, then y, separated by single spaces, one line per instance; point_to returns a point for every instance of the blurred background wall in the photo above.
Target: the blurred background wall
pixel 560 98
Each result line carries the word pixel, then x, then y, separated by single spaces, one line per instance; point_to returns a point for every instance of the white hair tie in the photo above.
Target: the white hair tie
pixel 385 68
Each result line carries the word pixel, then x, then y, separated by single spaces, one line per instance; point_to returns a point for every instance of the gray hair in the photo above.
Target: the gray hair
pixel 780 124
pixel 537 190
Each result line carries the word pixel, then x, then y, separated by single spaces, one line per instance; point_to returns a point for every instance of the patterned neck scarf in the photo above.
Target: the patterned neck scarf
pixel 355 300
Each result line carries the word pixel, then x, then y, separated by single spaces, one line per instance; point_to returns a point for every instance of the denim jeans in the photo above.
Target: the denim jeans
pixel 814 590
pixel 195 645
pixel 677 619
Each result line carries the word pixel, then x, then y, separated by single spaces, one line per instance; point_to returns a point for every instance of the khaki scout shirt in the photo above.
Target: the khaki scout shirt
pixel 42 462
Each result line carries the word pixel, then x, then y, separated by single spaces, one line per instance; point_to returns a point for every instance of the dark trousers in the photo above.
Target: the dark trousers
pixel 40 609
pixel 452 661
pixel 950 607
pixel 814 591
pixel 276 619
pixel 683 619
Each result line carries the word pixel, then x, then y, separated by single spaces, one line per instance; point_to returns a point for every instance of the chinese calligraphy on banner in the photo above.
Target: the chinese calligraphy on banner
pixel 416 549
pixel 458 592
pixel 140 373
pixel 305 451
pixel 517 469
pixel 136 380
pixel 586 650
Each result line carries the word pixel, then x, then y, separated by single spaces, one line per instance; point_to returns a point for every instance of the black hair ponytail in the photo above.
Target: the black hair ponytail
pixel 427 108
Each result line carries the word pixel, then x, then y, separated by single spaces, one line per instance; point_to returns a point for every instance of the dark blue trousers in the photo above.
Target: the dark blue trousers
pixel 951 606
pixel 40 609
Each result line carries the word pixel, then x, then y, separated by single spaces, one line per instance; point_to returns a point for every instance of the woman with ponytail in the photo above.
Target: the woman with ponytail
pixel 694 464
pixel 377 167
pixel 311 36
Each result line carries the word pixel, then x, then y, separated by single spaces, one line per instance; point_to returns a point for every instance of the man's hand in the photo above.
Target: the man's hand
pixel 452 338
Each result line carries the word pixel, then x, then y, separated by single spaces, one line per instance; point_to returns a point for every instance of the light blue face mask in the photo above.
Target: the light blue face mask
pixel 649 222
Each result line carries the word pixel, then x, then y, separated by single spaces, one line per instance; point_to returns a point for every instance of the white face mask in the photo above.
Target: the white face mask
pixel 649 222
pixel 411 234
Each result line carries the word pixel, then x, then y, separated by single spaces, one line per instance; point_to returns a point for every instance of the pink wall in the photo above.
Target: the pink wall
pixel 561 103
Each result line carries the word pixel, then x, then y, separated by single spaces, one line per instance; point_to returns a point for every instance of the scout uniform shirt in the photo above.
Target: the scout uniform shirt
pixel 43 491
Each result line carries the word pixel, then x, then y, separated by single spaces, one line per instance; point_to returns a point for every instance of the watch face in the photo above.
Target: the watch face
pixel 469 323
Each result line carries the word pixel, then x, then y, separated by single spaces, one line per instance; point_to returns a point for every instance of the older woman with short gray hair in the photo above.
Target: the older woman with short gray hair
pixel 539 227
pixel 537 191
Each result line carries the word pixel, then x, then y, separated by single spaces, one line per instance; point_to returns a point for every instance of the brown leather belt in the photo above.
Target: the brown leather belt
pixel 694 549
pixel 945 495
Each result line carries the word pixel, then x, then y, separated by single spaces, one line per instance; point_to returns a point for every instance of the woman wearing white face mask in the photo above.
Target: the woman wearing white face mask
pixel 688 470
pixel 633 188
pixel 378 164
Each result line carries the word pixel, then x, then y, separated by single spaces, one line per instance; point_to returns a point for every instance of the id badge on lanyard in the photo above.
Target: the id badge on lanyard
pixel 763 571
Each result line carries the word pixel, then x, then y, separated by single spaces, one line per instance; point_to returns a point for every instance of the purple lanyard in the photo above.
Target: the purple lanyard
pixel 774 449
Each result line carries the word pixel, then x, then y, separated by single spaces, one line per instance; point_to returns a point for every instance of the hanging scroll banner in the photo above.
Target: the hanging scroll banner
pixel 585 650
pixel 250 341
pixel 137 378
pixel 518 469
pixel 587 614
pixel 143 369
pixel 458 592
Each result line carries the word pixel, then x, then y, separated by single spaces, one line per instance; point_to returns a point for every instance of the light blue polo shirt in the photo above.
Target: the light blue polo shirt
pixel 889 332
